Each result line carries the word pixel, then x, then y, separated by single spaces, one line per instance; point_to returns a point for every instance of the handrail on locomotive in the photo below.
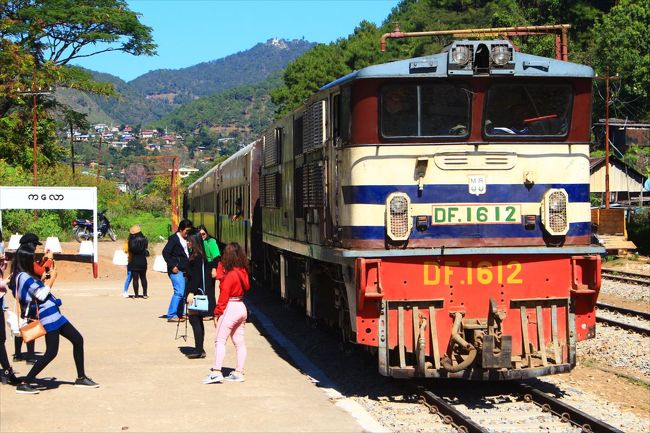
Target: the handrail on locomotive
pixel 560 31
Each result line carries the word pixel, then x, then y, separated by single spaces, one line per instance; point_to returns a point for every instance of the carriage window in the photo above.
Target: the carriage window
pixel 425 110
pixel 536 110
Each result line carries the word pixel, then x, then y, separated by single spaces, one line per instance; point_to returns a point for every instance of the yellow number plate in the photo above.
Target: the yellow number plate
pixel 476 214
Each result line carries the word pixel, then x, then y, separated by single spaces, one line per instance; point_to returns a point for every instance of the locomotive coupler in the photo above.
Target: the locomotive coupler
pixel 457 339
pixel 496 348
pixel 495 357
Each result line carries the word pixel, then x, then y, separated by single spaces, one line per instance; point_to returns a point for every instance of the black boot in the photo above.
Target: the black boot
pixel 8 377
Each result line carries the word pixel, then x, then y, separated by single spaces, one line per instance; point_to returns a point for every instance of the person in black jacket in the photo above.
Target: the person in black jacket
pixel 138 252
pixel 176 254
pixel 199 282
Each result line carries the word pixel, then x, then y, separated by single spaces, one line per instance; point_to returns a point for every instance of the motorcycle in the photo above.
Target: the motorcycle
pixel 83 228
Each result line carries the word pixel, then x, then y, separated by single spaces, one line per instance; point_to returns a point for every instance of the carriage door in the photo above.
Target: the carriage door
pixel 314 172
pixel 340 133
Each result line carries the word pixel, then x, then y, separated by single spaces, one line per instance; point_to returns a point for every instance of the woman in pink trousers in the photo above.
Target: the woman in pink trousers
pixel 230 313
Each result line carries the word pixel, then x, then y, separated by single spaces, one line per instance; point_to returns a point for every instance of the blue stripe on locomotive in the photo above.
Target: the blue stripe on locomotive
pixel 479 231
pixel 377 194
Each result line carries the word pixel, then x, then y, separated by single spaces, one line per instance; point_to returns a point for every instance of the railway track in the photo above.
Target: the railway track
pixel 622 318
pixel 561 411
pixel 628 277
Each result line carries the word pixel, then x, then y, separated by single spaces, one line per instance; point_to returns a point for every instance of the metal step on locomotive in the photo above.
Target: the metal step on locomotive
pixel 436 209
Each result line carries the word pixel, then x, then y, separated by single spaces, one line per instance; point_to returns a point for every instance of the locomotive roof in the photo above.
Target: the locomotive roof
pixel 437 66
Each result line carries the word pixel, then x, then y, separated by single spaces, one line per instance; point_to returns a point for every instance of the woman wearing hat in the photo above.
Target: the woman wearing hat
pixel 138 252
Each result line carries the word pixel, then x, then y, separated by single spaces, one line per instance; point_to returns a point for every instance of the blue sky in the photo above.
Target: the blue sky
pixel 193 31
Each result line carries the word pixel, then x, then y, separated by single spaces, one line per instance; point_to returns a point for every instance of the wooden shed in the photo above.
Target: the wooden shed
pixel 625 183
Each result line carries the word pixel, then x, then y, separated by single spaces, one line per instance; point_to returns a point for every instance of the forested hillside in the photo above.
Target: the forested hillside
pixel 604 34
pixel 128 106
pixel 240 114
pixel 150 96
pixel 246 67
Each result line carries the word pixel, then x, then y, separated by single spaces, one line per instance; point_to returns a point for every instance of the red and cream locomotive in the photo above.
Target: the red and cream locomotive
pixel 436 209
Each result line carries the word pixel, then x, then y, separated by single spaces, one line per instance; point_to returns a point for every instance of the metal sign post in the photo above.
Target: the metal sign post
pixel 53 198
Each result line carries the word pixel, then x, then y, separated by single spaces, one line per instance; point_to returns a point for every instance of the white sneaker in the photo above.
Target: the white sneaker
pixel 234 376
pixel 213 377
pixel 125 294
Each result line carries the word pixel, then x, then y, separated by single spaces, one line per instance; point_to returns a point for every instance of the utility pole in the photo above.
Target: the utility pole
pixel 607 78
pixel 34 92
pixel 99 154
pixel 169 164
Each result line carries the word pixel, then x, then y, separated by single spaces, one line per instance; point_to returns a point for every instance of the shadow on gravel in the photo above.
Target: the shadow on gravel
pixel 186 350
pixel 352 370
pixel 49 383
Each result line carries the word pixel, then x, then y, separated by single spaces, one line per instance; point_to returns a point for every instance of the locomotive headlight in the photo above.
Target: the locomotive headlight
pixel 461 55
pixel 500 54
pixel 398 205
pixel 554 211
pixel 398 216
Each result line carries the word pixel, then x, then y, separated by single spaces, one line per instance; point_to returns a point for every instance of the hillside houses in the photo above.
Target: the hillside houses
pixel 121 138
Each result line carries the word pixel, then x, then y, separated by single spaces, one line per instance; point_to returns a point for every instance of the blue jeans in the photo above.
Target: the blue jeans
pixel 177 303
pixel 127 281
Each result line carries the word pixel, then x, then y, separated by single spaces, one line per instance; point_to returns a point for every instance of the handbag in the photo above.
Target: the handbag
pixel 200 302
pixel 34 328
pixel 32 331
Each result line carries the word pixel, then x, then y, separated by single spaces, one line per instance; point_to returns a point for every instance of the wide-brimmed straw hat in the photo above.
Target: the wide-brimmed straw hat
pixel 135 229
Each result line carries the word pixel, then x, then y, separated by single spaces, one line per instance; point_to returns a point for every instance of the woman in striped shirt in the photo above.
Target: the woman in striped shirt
pixel 30 289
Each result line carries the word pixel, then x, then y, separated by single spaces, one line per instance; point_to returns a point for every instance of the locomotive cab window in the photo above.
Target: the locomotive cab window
pixel 534 110
pixel 425 110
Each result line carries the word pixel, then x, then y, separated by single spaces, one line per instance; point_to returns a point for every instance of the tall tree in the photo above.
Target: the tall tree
pixel 622 43
pixel 38 38
pixel 74 119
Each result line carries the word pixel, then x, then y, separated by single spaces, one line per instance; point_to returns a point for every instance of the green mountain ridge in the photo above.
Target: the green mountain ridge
pixel 148 98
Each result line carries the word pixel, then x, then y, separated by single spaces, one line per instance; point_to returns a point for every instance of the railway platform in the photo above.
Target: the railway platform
pixel 148 385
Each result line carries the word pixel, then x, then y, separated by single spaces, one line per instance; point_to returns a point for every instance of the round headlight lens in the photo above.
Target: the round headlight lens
pixel 500 55
pixel 557 202
pixel 398 205
pixel 461 55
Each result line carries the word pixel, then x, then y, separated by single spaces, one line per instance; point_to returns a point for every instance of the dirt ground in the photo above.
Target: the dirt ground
pixel 627 394
pixel 147 384
pixel 600 378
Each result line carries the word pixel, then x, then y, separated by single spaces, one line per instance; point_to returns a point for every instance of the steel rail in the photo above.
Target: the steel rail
pixel 627 326
pixel 622 310
pixel 448 413
pixel 566 412
pixel 629 277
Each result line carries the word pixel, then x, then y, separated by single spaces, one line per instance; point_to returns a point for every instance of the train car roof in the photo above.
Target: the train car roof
pixel 243 151
pixel 235 155
pixel 437 66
